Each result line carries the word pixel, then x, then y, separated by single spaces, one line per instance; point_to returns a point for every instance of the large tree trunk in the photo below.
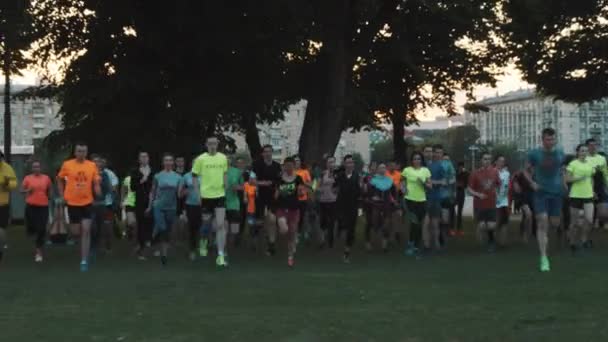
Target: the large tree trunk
pixel 399 143
pixel 325 113
pixel 252 136
pixel 7 104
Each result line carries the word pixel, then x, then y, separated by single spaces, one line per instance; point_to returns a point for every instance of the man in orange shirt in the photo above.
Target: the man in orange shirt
pixel 304 193
pixel 76 181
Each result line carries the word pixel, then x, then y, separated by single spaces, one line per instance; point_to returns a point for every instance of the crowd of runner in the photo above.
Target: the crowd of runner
pixel 216 201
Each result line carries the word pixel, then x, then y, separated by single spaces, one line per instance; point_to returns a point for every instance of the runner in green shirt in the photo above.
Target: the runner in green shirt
pixel 234 183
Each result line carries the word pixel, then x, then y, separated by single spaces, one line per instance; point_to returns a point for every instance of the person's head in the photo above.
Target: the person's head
pixel 97 160
pixel 446 157
pixel 104 163
pixel 143 159
pixel 500 162
pixel 212 144
pixel 240 163
pixel 417 159
pixel 428 152
pixel 81 151
pixel 349 163
pixel 289 165
pixel 437 152
pixel 267 153
pixel 381 169
pixel 582 151
pixel 461 165
pixel 168 161
pixel 36 167
pixel 591 145
pixel 486 159
pixel 180 163
pixel 391 166
pixel 298 162
pixel 373 166
pixel 549 138
pixel 330 163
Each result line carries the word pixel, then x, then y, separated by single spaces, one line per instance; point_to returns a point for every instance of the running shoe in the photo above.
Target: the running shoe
pixel 220 261
pixel 453 233
pixel 575 250
pixel 346 258
pixel 203 251
pixel 193 256
pixel 163 260
pixel 410 250
pixel 271 250
pixel 545 266
pixel 38 257
pixel 291 262
pixel 141 257
pixel 84 266
pixel 70 242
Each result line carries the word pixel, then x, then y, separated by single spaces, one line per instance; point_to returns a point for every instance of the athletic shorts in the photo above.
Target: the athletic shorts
pixel 4 216
pixel 210 204
pixel 502 215
pixel 78 214
pixel 233 216
pixel 433 208
pixel 163 220
pixel 579 203
pixel 130 209
pixel 262 205
pixel 520 200
pixel 291 215
pixel 446 204
pixel 545 203
pixel 485 215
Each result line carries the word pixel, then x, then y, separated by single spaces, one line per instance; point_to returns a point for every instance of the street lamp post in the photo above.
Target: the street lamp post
pixel 473 149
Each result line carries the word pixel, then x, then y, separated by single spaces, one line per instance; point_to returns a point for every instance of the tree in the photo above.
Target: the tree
pixel 457 140
pixel 560 46
pixel 358 159
pixel 16 35
pixel 382 151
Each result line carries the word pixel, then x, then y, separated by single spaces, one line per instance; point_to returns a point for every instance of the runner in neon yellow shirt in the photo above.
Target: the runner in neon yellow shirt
pixel 580 176
pixel 212 168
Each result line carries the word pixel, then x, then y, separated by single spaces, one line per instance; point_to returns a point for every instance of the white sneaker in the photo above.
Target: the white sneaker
pixel 38 258
pixel 157 254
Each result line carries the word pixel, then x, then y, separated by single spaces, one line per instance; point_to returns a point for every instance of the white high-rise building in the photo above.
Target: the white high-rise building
pixel 31 119
pixel 519 117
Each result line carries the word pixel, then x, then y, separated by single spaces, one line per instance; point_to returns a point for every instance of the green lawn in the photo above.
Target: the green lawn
pixel 465 295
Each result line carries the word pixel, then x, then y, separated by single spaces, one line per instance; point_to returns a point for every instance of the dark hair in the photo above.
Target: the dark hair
pixel 460 163
pixel 486 153
pixel 446 154
pixel 94 155
pixel 437 147
pixel 267 146
pixel 427 146
pixel 498 157
pixel 79 143
pixel 568 158
pixel 589 141
pixel 348 156
pixel 168 154
pixel 548 132
pixel 419 154
pixel 579 146
pixel 289 160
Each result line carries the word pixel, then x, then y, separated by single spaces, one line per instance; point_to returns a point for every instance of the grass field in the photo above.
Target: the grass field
pixel 465 295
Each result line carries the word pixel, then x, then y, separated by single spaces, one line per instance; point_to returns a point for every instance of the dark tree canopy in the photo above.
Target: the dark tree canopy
pixel 560 46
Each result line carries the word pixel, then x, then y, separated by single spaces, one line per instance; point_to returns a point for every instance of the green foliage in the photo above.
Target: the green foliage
pixel 515 159
pixel 359 163
pixel 382 151
pixel 560 45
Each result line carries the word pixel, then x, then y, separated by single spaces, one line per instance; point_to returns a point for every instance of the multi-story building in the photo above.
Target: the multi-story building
pixel 284 136
pixel 31 119
pixel 518 118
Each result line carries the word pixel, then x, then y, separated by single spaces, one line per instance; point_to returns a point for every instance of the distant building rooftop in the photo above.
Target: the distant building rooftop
pixel 517 95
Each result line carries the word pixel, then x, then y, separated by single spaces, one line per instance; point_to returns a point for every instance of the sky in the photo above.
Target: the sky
pixel 510 81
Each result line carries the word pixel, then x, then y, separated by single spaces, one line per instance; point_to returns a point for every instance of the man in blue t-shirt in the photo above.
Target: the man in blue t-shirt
pixel 436 194
pixel 544 172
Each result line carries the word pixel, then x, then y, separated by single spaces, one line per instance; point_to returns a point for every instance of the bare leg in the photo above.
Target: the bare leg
pixel 542 234
pixel 85 239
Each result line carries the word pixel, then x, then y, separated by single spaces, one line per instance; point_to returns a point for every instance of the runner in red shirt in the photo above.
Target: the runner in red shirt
pixel 483 185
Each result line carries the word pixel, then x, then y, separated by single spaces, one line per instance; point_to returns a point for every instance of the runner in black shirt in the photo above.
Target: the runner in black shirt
pixel 348 183
pixel 288 209
pixel 141 183
pixel 268 174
